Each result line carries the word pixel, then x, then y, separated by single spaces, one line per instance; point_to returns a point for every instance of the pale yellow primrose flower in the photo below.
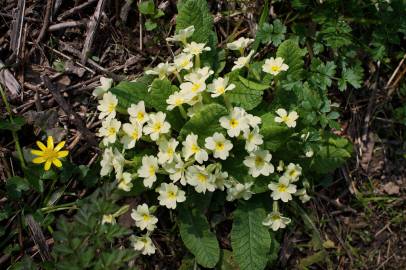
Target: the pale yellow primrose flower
pixel 169 195
pixel 108 219
pixel 219 145
pixel 49 154
pixel 143 218
pixel 183 61
pixel 176 169
pixel 259 163
pixel 242 61
pixel 167 150
pixel 274 66
pixel 162 70
pixel 109 129
pixel 182 35
pixel 124 182
pixel 235 123
pixel 143 244
pixel 239 44
pixel 156 125
pixel 195 48
pixel 253 139
pixel 179 98
pixel 148 170
pixel 137 113
pixel 238 190
pixel 133 132
pixel 200 178
pixel 288 119
pixel 192 148
pixel 107 106
pixel 276 221
pixel 219 87
pixel 293 172
pixel 102 89
pixel 282 190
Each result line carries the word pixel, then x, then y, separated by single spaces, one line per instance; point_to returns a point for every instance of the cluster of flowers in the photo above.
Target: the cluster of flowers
pixel 187 162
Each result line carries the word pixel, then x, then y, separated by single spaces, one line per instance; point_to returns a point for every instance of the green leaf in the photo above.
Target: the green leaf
pixel 205 122
pixel 336 33
pixel 159 93
pixel 275 134
pixel 16 185
pixel 253 85
pixel 271 33
pixel 352 76
pixel 147 7
pixel 290 51
pixel 150 25
pixel 244 97
pixel 196 13
pixel 227 261
pixel 197 237
pixel 129 93
pixel 322 73
pixel 14 125
pixel 250 240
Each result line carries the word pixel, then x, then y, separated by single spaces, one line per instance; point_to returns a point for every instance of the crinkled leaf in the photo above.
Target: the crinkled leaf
pixel 129 93
pixel 253 85
pixel 244 97
pixel 197 237
pixel 353 76
pixel 322 73
pixel 292 54
pixel 275 134
pixel 205 122
pixel 196 13
pixel 250 240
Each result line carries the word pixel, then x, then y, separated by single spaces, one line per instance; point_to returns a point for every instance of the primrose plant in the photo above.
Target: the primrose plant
pixel 210 126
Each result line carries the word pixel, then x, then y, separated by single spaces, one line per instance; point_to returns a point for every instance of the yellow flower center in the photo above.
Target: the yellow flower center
pixel 275 217
pixel 146 217
pixel 184 63
pixel 202 178
pixel 111 107
pixel 171 195
pixel 276 68
pixel 195 148
pixel 151 170
pixel 195 87
pixel 233 122
pixel 157 127
pixel 219 146
pixel 134 135
pixel 112 131
pixel 285 118
pixel 282 188
pixel 259 161
pixel 178 101
pixel 293 173
pixel 170 151
pixel 220 89
pixel 140 115
pixel 50 154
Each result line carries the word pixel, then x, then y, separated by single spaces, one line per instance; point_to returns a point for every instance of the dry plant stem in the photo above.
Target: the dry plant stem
pixel 91 30
pixel 38 237
pixel 46 21
pixel 13 132
pixel 75 9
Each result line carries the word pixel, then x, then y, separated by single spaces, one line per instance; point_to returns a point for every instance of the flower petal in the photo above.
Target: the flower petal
pixel 57 162
pixel 41 146
pixel 39 160
pixel 59 146
pixel 50 142
pixel 37 152
pixel 62 154
pixel 48 164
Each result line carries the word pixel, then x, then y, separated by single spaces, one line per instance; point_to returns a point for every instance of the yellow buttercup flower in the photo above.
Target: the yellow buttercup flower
pixel 49 154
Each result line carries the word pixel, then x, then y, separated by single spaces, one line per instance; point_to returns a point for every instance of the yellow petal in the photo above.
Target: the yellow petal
pixel 41 146
pixel 39 160
pixel 37 152
pixel 57 162
pixel 47 165
pixel 62 154
pixel 50 142
pixel 59 146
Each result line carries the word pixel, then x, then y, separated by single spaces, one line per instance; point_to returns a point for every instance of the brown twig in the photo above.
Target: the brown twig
pixel 64 25
pixel 38 237
pixel 75 10
pixel 77 121
pixel 45 25
pixel 91 30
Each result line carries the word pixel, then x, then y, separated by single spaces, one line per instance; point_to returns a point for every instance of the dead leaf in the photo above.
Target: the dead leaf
pixel 391 188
